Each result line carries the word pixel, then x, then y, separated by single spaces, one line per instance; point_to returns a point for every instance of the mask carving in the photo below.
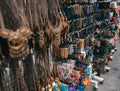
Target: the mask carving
pixel 17 41
pixel 54 32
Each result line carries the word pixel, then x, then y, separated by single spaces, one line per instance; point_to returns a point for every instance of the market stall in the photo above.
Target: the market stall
pixel 56 45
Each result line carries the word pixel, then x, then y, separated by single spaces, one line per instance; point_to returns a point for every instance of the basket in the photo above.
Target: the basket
pixel 80 44
pixel 63 52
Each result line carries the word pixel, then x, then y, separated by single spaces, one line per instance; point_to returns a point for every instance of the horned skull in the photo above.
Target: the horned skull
pixel 54 32
pixel 17 41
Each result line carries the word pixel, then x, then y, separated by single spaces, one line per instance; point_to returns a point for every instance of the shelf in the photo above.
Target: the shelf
pixel 104 1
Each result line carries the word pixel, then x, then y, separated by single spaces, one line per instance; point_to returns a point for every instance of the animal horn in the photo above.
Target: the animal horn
pixel 4 33
pixel 25 31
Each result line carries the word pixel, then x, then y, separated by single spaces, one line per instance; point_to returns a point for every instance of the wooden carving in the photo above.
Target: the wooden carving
pixel 54 32
pixel 41 39
pixel 17 41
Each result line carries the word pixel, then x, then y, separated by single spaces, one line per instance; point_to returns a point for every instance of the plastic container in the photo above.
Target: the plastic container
pixel 71 89
pixel 80 88
pixel 63 87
